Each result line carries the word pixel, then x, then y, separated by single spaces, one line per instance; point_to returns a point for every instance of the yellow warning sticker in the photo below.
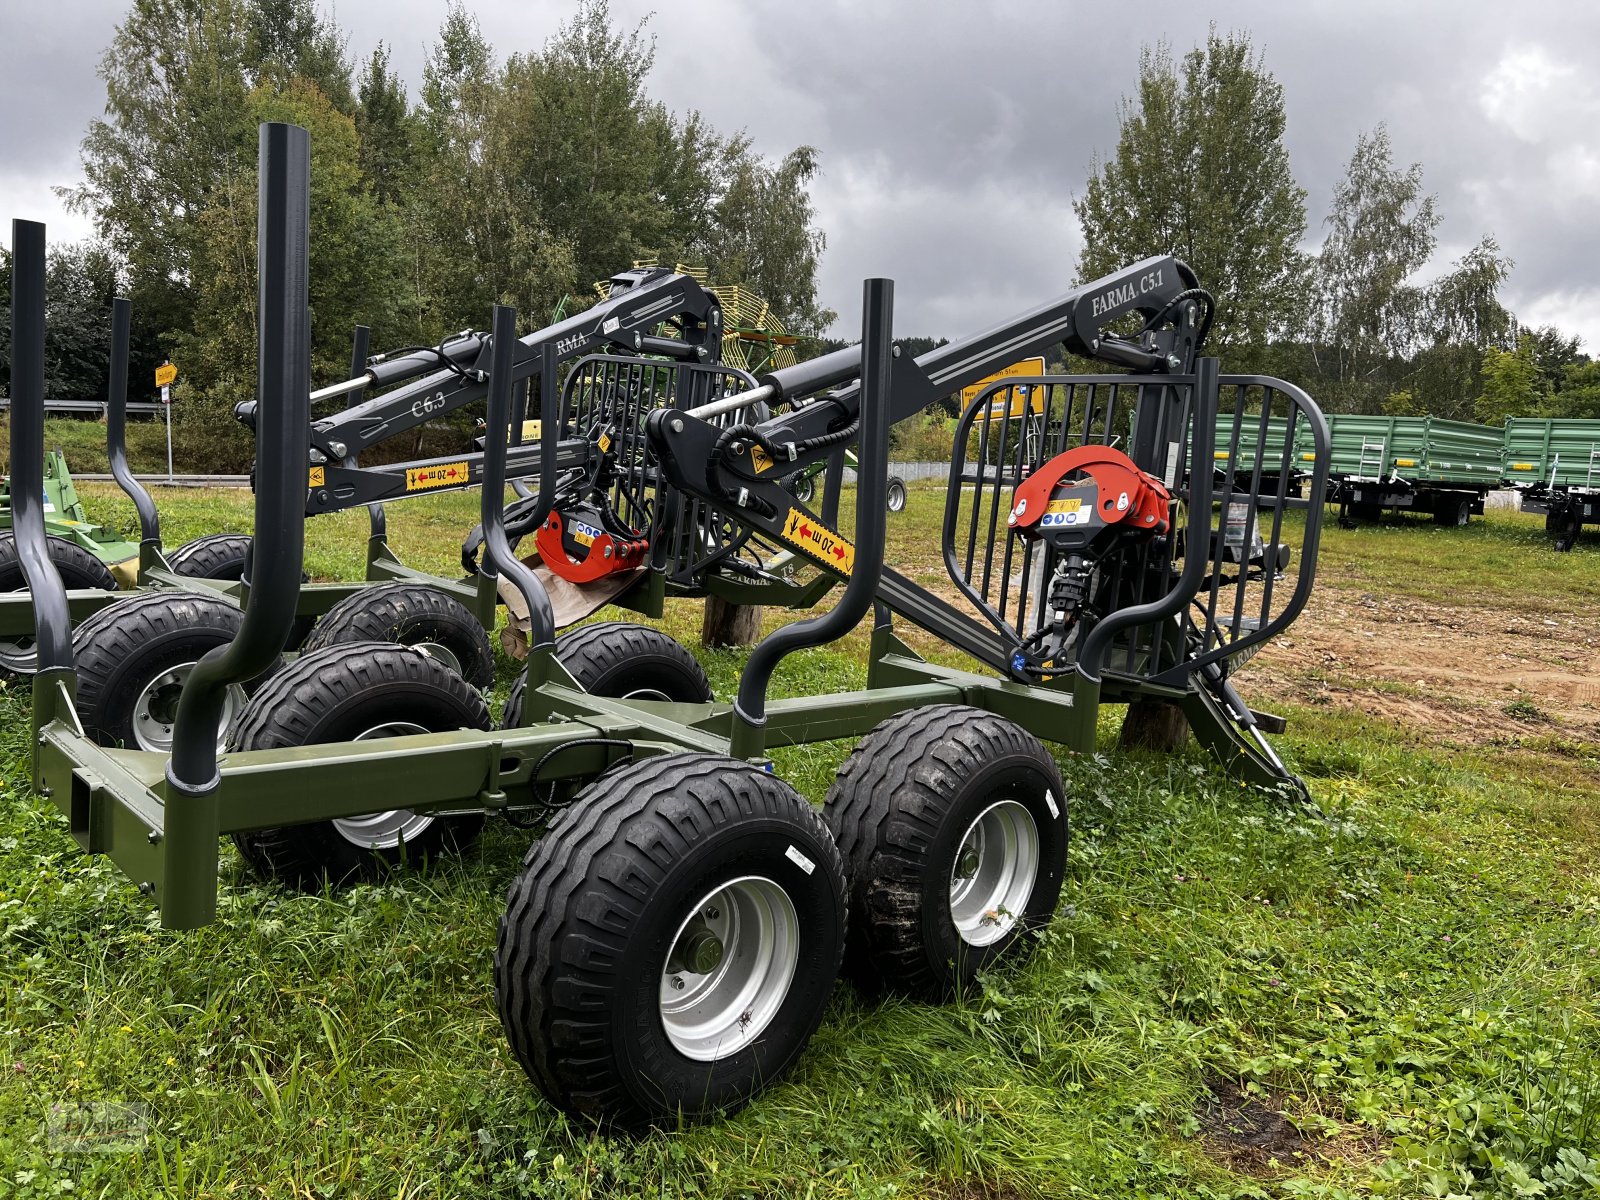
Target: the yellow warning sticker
pixel 759 459
pixel 822 543
pixel 420 479
pixel 319 476
pixel 1064 506
pixel 605 443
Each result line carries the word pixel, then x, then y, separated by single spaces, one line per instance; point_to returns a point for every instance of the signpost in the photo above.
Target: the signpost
pixel 165 374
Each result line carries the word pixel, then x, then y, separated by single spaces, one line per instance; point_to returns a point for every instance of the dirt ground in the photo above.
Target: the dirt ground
pixel 1467 674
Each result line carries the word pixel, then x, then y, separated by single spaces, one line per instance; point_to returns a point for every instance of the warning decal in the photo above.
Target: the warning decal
pixel 1064 506
pixel 420 479
pixel 318 477
pixel 760 460
pixel 821 543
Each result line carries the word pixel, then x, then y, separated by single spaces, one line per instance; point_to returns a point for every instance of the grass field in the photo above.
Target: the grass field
pixel 1396 997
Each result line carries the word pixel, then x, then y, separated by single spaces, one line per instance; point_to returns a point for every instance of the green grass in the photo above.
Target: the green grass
pixel 1411 976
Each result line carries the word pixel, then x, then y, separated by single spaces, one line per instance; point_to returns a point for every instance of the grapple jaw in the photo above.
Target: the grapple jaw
pixel 1088 495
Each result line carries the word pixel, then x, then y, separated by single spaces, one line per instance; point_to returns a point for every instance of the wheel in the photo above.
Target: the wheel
pixel 804 488
pixel 409 614
pixel 1367 511
pixel 222 556
pixel 1452 511
pixel 354 692
pixel 214 556
pixel 623 661
pixel 1566 532
pixel 77 568
pixel 133 657
pixel 669 945
pixel 897 494
pixel 1552 522
pixel 953 827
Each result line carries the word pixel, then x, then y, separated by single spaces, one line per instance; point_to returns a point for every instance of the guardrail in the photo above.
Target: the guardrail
pixel 98 407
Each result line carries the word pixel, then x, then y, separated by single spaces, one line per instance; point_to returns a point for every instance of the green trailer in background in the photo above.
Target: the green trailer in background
pixel 1412 464
pixel 1554 463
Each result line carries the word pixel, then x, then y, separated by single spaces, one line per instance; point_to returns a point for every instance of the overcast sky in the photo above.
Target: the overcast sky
pixel 953 136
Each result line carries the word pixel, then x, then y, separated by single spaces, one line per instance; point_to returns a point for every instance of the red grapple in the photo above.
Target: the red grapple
pixel 1126 495
pixel 587 560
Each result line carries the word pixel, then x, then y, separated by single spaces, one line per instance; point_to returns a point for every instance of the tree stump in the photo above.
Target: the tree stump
pixel 727 624
pixel 1154 725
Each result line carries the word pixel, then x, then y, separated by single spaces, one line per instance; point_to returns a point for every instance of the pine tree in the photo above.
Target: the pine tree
pixel 1201 171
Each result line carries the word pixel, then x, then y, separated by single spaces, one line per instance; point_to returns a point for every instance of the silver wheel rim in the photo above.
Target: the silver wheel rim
pixel 440 654
pixel 897 498
pixel 385 830
pixel 994 873
pixel 156 708
pixel 745 938
pixel 646 693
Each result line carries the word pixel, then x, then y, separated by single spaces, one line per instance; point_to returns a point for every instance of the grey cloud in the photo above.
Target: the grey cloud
pixel 953 136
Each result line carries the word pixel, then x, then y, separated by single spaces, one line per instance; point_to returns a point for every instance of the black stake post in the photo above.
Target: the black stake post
pixel 498 557
pixel 377 519
pixel 117 437
pixel 748 734
pixel 51 620
pixel 283 396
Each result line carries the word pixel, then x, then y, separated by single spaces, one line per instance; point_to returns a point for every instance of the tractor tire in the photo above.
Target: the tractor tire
pixel 1453 512
pixel 953 828
pixel 77 568
pixel 410 614
pixel 221 556
pixel 355 692
pixel 897 494
pixel 679 862
pixel 214 556
pixel 133 657
pixel 623 661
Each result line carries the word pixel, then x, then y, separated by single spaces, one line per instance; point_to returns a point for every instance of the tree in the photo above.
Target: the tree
pixel 1511 384
pixel 1201 171
pixel 1464 318
pixel 1579 394
pixel 387 130
pixel 356 268
pixel 765 235
pixel 178 76
pixel 1380 233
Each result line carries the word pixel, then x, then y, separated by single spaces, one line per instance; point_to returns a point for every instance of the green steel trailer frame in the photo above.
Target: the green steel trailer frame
pixel 684 867
pixel 1554 463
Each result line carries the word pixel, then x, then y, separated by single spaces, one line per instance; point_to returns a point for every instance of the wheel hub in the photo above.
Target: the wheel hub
pixel 729 968
pixel 385 830
pixel 440 654
pixel 995 868
pixel 155 709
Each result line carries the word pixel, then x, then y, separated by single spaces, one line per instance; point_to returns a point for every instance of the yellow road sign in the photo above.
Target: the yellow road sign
pixel 165 374
pixel 1027 367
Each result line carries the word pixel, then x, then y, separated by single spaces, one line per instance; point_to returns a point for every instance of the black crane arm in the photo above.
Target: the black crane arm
pixel 640 300
pixel 1162 290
